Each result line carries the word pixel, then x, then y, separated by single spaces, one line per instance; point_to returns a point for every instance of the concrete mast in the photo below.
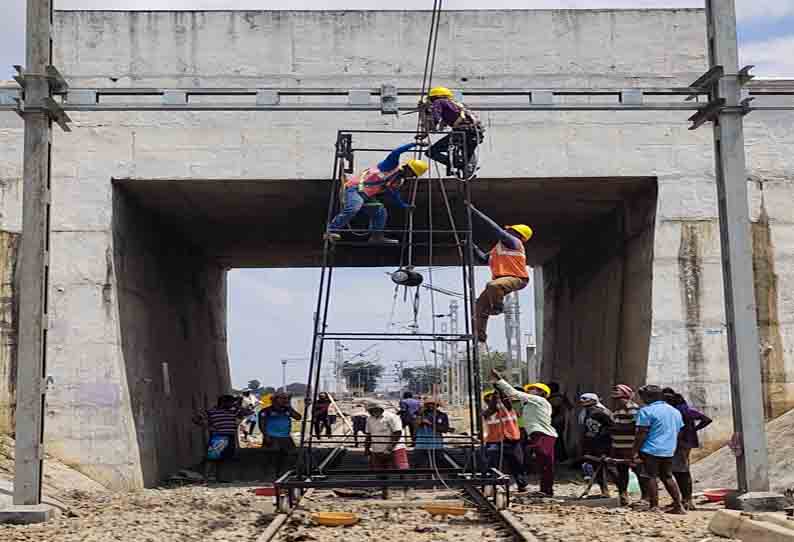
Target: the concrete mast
pixel 737 264
pixel 34 258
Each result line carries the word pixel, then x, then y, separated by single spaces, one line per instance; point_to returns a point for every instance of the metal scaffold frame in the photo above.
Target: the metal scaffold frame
pixel 44 98
pixel 316 471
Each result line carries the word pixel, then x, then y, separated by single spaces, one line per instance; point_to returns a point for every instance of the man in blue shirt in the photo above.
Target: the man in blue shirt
pixel 409 408
pixel 431 424
pixel 658 425
pixel 275 422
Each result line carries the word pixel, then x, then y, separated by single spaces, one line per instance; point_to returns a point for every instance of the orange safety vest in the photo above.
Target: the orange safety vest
pixel 502 426
pixel 506 262
pixel 372 181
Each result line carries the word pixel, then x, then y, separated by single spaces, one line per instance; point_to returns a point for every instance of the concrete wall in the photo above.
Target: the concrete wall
pixel 91 421
pixel 597 302
pixel 172 308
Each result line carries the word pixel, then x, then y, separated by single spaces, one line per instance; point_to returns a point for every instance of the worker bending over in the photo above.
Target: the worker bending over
pixel 365 189
pixel 508 263
pixel 444 111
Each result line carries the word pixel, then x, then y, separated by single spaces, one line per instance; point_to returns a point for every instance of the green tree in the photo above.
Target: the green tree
pixel 420 380
pixel 491 360
pixel 254 385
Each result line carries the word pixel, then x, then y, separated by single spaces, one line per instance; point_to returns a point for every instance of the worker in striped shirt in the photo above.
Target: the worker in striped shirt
pixel 623 431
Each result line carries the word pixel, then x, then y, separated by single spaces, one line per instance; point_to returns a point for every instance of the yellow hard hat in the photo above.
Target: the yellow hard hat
pixel 417 166
pixel 523 229
pixel 440 92
pixel 487 394
pixel 540 386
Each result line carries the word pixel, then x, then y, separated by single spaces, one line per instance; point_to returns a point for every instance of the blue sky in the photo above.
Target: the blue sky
pixel 270 310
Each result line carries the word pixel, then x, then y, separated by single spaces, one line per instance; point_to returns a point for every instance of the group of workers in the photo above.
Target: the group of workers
pixel 653 441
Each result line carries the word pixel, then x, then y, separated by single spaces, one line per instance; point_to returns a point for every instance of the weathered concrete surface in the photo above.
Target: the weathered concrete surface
pixel 9 246
pixel 171 300
pixel 677 309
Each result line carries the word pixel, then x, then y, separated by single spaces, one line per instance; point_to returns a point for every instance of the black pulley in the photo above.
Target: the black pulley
pixel 406 277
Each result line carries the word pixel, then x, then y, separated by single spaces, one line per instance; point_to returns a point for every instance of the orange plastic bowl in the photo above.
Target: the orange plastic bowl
pixel 444 510
pixel 335 519
pixel 717 495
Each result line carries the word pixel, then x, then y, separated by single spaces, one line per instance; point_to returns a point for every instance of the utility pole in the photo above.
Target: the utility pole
pixel 752 464
pixel 512 312
pixel 454 361
pixel 37 79
pixel 284 375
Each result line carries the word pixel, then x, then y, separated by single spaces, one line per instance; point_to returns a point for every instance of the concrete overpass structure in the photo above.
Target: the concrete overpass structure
pixel 151 208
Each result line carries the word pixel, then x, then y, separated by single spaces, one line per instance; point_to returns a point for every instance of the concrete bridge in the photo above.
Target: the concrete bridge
pixel 150 209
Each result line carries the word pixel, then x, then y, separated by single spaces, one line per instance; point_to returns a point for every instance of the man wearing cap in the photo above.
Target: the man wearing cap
pixel 623 431
pixel 384 442
pixel 658 425
pixel 541 436
pixel 508 262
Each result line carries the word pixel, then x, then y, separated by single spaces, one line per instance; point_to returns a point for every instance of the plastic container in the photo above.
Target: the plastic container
pixel 335 519
pixel 634 484
pixel 717 494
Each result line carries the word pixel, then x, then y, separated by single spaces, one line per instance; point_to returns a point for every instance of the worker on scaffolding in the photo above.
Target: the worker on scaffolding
pixel 508 262
pixel 440 111
pixel 364 191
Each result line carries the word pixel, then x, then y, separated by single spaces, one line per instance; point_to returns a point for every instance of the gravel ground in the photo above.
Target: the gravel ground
pixel 176 514
pixel 221 512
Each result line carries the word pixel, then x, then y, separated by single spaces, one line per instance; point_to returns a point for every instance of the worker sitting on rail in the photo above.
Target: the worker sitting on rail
pixel 508 263
pixel 444 111
pixel 364 189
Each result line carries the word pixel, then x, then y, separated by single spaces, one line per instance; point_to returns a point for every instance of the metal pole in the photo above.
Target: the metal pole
pixel 284 375
pixel 740 310
pixel 34 258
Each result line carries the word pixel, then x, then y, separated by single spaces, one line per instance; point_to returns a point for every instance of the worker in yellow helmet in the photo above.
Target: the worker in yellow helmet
pixel 443 111
pixel 536 419
pixel 364 190
pixel 508 262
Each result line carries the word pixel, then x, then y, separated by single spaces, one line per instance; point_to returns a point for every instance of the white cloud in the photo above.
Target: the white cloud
pixel 773 57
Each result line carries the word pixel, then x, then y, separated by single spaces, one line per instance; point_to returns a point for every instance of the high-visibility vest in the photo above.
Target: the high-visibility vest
pixel 506 262
pixel 371 181
pixel 503 425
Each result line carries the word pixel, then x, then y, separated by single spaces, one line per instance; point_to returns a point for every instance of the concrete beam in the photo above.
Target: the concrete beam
pixel 26 514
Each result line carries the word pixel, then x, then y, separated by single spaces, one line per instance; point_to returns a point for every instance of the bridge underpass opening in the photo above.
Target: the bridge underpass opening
pixel 176 239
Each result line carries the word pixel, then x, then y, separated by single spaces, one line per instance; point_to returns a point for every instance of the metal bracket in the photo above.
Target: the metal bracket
pixel 389 103
pixel 174 97
pixel 57 82
pixel 632 96
pixel 541 97
pixel 267 97
pixel 20 76
pixel 344 150
pixel 58 114
pixel 47 384
pixel 706 82
pixel 708 113
pixel 745 76
pixel 358 97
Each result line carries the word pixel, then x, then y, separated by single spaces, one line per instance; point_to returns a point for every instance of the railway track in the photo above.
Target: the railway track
pixel 402 517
